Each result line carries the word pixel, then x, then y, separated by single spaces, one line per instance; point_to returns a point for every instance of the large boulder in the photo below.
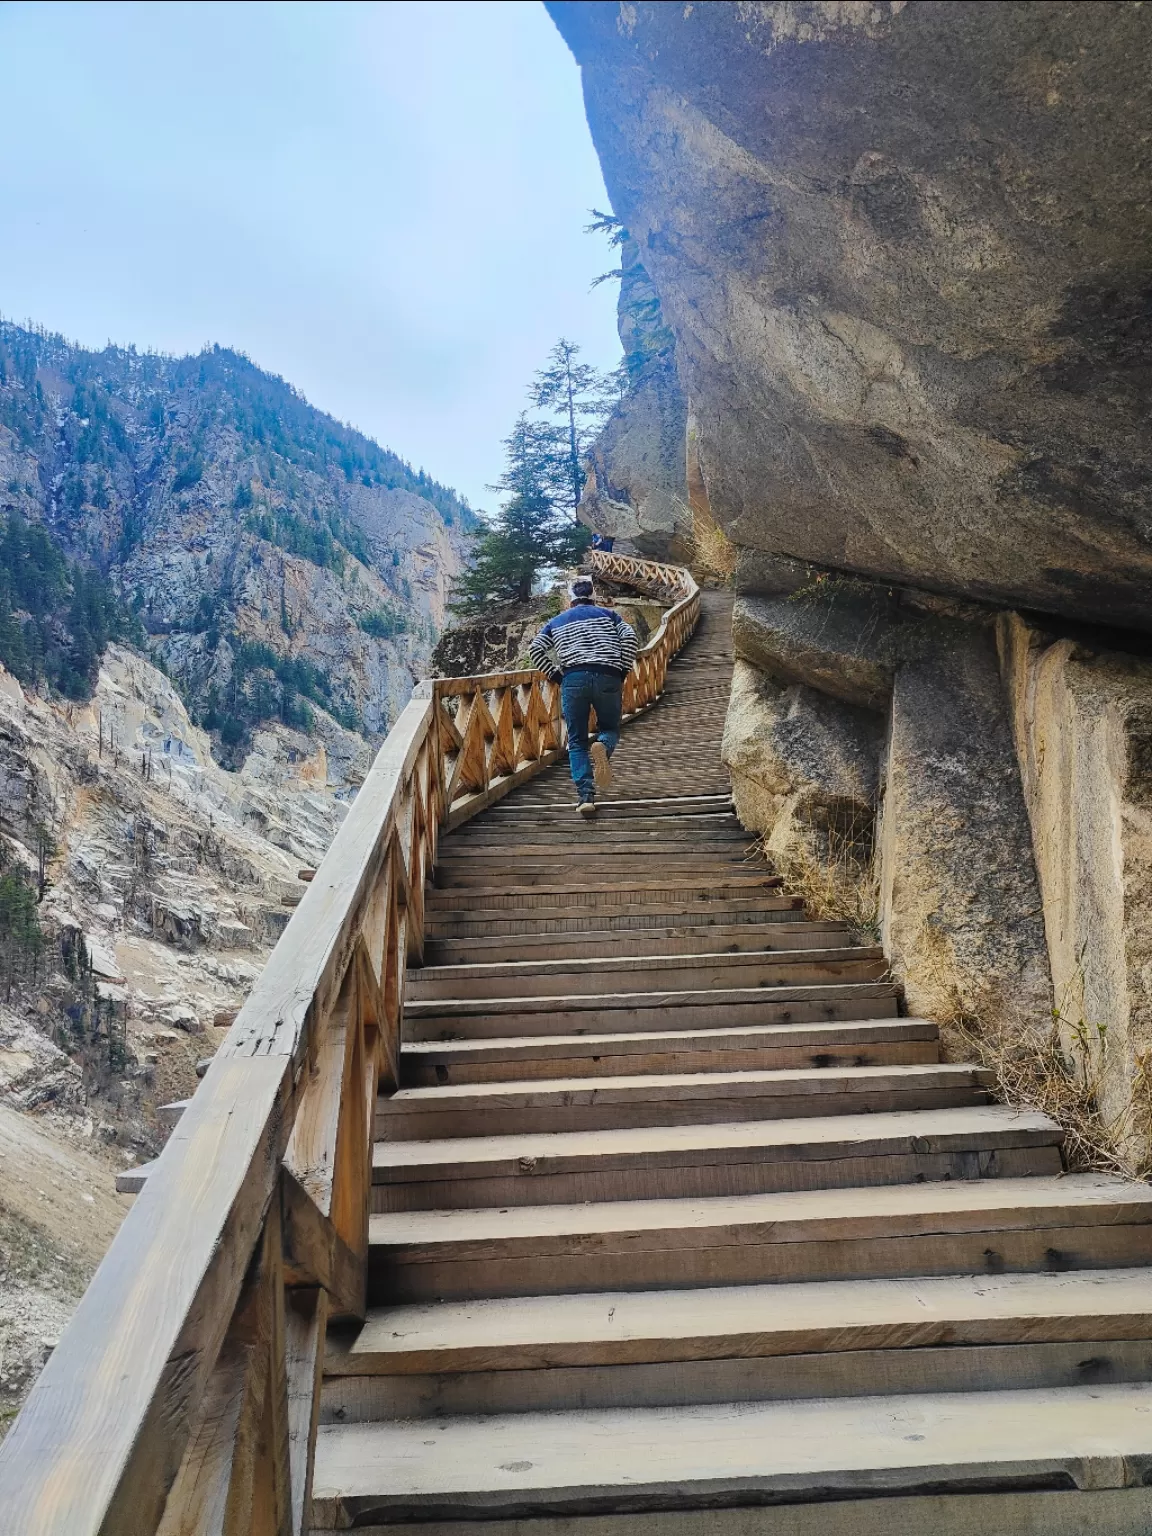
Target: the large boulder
pixel 1082 717
pixel 903 249
pixel 840 642
pixel 804 774
pixel 960 900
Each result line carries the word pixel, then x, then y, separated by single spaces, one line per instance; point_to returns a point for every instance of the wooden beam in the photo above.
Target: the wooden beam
pixel 306 1319
pixel 315 1253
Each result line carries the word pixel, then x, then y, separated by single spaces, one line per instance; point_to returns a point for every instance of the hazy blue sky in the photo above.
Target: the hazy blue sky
pixel 382 202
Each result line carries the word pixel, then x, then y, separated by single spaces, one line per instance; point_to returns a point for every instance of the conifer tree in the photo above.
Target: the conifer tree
pixel 576 397
pixel 527 535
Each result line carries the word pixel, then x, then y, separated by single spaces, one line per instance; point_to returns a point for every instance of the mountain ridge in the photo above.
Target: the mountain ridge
pixel 280 562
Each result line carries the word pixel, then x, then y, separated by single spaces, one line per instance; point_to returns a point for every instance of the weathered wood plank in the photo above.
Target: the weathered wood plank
pixel 316 1254
pixel 306 1319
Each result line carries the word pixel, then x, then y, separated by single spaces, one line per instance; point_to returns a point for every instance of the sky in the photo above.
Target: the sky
pixel 382 202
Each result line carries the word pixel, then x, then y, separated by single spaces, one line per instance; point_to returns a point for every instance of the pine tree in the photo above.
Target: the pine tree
pixel 527 535
pixel 578 398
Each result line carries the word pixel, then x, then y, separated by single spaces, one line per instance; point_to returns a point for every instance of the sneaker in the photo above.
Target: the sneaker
pixel 587 809
pixel 601 767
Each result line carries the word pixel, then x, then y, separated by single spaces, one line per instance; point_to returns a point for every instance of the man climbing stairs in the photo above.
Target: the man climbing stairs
pixel 679 1226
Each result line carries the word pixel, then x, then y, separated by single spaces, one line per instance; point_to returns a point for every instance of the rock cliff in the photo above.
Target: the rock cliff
pixel 902 249
pixel 164 881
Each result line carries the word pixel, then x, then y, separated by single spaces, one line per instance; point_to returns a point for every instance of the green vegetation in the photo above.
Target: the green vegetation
pixel 56 617
pixel 531 532
pixel 21 940
pixel 536 527
pixel 574 399
pixel 264 686
pixel 383 623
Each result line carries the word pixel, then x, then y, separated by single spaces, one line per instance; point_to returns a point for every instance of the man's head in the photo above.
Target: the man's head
pixel 581 590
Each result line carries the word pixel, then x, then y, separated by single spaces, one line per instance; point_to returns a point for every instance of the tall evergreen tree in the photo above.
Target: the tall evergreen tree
pixel 576 398
pixel 527 535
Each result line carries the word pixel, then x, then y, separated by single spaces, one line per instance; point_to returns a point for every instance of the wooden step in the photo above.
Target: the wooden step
pixel 583 839
pixel 548 827
pixel 745 1157
pixel 548 869
pixel 603 828
pixel 575 977
pixel 632 1012
pixel 509 1467
pixel 764 1343
pixel 755 1046
pixel 516 808
pixel 672 939
pixel 597 894
pixel 496 922
pixel 585 1104
pixel 983 1226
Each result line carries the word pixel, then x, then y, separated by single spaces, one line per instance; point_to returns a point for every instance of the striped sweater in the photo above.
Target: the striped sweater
pixel 585 636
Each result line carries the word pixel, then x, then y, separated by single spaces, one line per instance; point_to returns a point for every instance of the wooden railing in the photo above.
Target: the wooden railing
pixel 182 1398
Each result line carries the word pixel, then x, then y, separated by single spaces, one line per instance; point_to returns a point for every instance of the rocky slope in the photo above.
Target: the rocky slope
pixel 902 251
pixel 283 581
pixel 166 880
pixel 277 560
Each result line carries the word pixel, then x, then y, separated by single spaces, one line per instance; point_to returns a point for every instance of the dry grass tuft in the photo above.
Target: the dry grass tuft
pixel 714 554
pixel 1056 1070
pixel 831 864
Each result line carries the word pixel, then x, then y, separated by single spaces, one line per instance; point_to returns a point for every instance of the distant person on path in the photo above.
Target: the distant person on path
pixel 603 541
pixel 592 650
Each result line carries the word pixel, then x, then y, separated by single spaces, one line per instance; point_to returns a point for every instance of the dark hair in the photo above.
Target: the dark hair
pixel 581 590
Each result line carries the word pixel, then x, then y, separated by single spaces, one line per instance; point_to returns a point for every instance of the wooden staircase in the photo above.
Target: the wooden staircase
pixel 679 1226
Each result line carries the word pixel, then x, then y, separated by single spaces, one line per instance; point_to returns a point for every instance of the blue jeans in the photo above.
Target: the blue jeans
pixel 581 692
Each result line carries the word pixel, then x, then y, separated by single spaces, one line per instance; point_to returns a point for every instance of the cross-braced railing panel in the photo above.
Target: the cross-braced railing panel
pixel 182 1398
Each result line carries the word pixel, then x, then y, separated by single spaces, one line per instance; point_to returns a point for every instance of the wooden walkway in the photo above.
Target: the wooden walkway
pixel 569 1179
pixel 678 1226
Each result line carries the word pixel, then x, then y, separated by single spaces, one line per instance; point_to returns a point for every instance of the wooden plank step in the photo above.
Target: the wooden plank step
pixel 644 860
pixel 727 1158
pixel 599 893
pixel 602 826
pixel 673 939
pixel 426 1063
pixel 500 921
pixel 574 977
pixel 513 1466
pixel 471 1018
pixel 675 832
pixel 982 1226
pixel 531 1333
pixel 588 839
pixel 676 805
pixel 736 1344
pixel 581 1103
pixel 1023 1512
pixel 527 873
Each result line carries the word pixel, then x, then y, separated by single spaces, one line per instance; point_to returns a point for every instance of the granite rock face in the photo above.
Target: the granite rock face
pixel 859 720
pixel 636 485
pixel 1082 718
pixel 635 474
pixel 960 904
pixel 903 249
pixel 804 772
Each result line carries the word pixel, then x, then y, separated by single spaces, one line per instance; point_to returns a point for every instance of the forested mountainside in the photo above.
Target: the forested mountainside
pixel 277 564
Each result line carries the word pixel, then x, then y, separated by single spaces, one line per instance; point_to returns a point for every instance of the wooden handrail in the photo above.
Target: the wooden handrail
pixel 182 1398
